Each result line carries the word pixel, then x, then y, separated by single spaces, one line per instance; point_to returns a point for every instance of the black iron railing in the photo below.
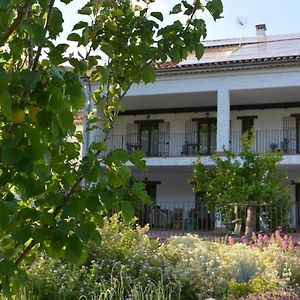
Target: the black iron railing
pixel 198 216
pixel 181 144
pixel 268 140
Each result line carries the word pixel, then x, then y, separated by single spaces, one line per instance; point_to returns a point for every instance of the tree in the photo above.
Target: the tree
pixel 249 179
pixel 51 200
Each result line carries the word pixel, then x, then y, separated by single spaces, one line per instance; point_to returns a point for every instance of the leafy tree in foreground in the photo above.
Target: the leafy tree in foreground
pixel 50 198
pixel 249 179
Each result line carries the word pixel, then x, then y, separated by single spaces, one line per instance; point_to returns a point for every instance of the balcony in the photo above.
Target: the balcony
pixel 183 144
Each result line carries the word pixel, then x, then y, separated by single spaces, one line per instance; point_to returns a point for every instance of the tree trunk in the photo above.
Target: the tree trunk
pixel 250 222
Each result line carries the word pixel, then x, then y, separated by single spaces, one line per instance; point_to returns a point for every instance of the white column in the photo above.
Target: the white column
pixel 223 120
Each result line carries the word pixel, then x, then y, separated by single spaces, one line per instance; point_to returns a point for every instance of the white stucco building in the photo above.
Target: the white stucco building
pixel 199 107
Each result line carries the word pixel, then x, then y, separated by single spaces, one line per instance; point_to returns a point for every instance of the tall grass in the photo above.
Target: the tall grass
pixel 116 290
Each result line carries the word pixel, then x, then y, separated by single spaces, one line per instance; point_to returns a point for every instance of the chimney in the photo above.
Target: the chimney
pixel 261 30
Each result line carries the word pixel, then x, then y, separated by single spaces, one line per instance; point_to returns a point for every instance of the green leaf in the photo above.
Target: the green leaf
pixel 5 103
pixel 4 215
pixel 73 249
pixel 85 10
pixel 137 159
pixel 29 79
pixel 66 1
pixel 157 15
pixel 111 25
pixel 66 121
pixel 103 73
pixel 176 9
pixel 80 25
pixel 11 155
pixel 55 73
pixel 148 74
pixel 77 95
pixel 215 7
pixel 43 3
pixel 22 234
pixel 138 190
pixel 74 37
pixel 55 26
pixel 7 267
pixel 107 49
pixel 36 31
pixel 57 243
pixel 56 54
pixel 85 231
pixel 99 146
pixel 199 49
pixel 44 118
pixel 127 210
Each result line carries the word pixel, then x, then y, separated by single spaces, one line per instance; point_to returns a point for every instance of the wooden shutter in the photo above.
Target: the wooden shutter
pixel 288 144
pixel 164 138
pixel 132 135
pixel 191 132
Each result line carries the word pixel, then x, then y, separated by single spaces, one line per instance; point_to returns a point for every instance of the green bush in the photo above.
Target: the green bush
pixel 209 269
pixel 125 263
pixel 124 253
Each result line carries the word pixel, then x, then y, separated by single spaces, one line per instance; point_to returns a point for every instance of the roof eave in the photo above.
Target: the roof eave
pixel 231 66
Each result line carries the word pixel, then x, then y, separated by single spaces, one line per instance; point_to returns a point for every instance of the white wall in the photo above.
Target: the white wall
pixel 174 190
pixel 267 119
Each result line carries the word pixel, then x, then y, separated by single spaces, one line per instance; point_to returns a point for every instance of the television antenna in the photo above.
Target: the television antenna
pixel 242 23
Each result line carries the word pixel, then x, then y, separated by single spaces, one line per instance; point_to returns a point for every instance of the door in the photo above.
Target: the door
pixel 207 133
pixel 247 125
pixel 147 212
pixel 203 215
pixel 149 138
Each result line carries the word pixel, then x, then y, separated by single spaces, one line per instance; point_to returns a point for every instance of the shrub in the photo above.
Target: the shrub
pixel 124 253
pixel 210 269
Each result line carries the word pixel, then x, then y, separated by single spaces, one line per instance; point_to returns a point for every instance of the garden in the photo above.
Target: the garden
pixel 126 264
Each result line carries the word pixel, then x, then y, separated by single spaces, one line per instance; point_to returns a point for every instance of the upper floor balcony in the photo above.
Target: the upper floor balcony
pixel 158 143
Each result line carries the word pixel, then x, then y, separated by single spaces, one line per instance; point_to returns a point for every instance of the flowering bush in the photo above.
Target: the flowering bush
pixel 209 269
pixel 126 264
pixel 124 253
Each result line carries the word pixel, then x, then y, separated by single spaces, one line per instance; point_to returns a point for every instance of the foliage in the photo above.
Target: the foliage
pixel 276 294
pixel 127 262
pixel 247 178
pixel 125 256
pixel 51 199
pixel 208 269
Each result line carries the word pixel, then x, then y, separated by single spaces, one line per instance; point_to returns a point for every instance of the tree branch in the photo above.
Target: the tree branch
pixel 46 26
pixel 25 252
pixel 22 13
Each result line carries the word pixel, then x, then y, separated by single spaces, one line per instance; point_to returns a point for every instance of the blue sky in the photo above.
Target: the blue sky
pixel 279 16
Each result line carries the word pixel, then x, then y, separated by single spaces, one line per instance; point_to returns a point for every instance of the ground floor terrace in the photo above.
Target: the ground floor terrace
pixel 176 209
